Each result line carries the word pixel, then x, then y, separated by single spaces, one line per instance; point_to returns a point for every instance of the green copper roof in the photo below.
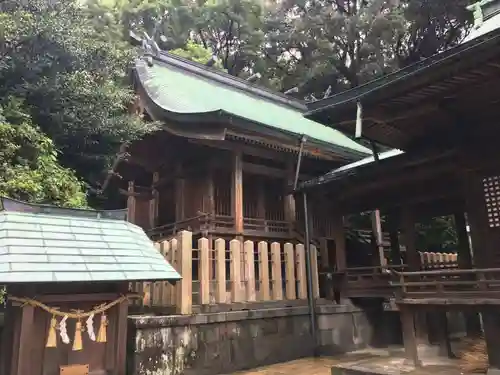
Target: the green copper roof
pixel 41 247
pixel 191 89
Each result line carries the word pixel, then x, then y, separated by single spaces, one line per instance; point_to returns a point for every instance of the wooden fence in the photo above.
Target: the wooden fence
pixel 229 272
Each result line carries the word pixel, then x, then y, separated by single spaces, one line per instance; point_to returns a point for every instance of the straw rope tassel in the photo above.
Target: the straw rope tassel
pixel 101 336
pixel 77 341
pixel 52 336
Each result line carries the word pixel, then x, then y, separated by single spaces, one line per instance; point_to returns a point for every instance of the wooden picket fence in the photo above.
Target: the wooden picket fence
pixel 229 272
pixel 430 260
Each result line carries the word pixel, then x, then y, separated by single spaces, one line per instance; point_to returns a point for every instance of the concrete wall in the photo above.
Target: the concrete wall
pixel 224 342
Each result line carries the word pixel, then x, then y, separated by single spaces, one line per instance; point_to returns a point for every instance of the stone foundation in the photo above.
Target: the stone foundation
pixel 224 342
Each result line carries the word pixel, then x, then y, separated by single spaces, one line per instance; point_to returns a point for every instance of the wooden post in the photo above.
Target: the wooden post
pixel 491 326
pixel 300 258
pixel 203 270
pixel 409 339
pixel 165 287
pixel 235 249
pixel 174 259
pixel 277 280
pixel 290 209
pixel 237 192
pixel 249 270
pixel 472 320
pixel 340 253
pixel 220 270
pixel 22 364
pixel 339 238
pixel 442 333
pixel 131 203
pixel 180 185
pixel 261 201
pixel 314 269
pixel 153 203
pixel 377 231
pixel 394 238
pixel 185 261
pixel 290 290
pixel 121 338
pixel 410 239
pixel 263 254
pixel 464 253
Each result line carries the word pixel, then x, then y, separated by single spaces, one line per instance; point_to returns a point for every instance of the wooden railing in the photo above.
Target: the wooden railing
pixel 229 272
pixel 221 224
pixel 454 283
pixel 168 230
pixel 264 225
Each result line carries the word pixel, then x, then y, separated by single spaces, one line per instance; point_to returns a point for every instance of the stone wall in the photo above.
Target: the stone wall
pixel 224 342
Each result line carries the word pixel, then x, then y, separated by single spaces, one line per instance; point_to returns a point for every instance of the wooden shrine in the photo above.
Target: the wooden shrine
pixel 224 160
pixel 440 116
pixel 66 275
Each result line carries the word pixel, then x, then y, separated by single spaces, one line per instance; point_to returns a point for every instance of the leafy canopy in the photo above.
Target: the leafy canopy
pixel 72 80
pixel 29 169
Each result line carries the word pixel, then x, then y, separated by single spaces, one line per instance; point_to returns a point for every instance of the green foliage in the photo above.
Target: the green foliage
pixel 72 79
pixel 197 53
pixel 29 169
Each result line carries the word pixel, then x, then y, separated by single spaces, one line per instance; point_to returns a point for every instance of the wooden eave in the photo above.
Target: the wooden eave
pixel 430 99
pixel 406 179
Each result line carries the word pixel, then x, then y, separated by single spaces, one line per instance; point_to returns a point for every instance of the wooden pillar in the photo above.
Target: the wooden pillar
pixel 410 239
pixel 339 238
pixel 121 339
pixel 261 201
pixel 377 232
pixel 409 337
pixel 290 208
pixel 153 204
pixel 491 326
pixel 340 256
pixel 442 332
pixel 413 262
pixel 237 192
pixel 394 238
pixel 464 253
pixel 131 202
pixel 22 362
pixel 180 185
pixel 472 320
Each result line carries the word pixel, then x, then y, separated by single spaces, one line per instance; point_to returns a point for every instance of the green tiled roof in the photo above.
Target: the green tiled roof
pixel 185 88
pixel 40 247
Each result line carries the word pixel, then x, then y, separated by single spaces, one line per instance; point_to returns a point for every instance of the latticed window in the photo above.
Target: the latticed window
pixel 491 187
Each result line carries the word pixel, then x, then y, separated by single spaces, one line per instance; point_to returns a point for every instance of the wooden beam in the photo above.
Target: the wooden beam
pixel 396 178
pixel 237 192
pixel 238 147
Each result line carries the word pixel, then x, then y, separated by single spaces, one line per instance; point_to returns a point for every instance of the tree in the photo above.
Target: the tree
pixel 327 46
pixel 72 81
pixel 232 30
pixel 29 169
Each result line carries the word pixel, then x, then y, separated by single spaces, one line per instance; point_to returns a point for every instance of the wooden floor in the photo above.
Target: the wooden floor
pixel 306 366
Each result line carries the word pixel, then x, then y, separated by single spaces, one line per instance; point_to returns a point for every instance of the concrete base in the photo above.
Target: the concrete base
pixel 493 371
